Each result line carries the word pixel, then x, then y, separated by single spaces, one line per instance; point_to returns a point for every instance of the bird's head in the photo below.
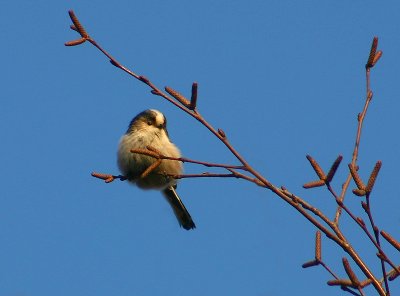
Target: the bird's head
pixel 152 121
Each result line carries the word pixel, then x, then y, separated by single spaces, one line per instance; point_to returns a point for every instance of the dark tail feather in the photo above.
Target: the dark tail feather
pixel 180 211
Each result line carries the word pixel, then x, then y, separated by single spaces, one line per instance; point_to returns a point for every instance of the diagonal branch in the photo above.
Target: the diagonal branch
pixel 301 206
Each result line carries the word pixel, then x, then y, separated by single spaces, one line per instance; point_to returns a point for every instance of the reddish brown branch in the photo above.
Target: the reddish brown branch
pixel 300 205
pixel 203 175
pixel 151 152
pixel 362 225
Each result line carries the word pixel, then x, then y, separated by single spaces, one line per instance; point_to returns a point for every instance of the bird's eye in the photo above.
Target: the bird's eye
pixel 149 122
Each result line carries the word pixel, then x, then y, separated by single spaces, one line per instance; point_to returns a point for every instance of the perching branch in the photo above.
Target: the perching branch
pixel 158 155
pixel 245 171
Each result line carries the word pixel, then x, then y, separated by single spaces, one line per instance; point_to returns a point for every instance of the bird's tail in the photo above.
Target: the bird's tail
pixel 183 216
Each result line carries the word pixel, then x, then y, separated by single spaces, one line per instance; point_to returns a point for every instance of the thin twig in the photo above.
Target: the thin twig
pixel 202 175
pixel 361 118
pixel 184 159
pixel 378 244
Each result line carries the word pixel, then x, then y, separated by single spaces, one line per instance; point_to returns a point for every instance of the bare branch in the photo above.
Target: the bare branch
pixel 312 214
pixel 360 119
pixel 158 155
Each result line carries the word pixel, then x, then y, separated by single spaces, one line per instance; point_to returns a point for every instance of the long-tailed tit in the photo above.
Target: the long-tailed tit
pixel 149 128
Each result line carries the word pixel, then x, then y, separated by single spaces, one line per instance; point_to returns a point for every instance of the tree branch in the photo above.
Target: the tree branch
pixel 312 214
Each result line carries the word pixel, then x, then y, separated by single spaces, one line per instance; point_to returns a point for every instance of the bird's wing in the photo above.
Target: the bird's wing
pixel 183 216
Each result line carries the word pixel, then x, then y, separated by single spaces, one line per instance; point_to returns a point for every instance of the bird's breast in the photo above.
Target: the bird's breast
pixel 133 165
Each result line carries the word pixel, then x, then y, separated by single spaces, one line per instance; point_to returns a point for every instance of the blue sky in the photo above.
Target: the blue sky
pixel 282 78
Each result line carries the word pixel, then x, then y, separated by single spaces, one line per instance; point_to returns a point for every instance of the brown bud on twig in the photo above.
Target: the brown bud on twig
pixel 394 275
pixel 77 24
pixel 373 176
pixel 193 100
pixel 221 133
pixel 75 42
pixel 180 98
pixel 365 206
pixel 391 240
pixel 370 95
pixel 144 79
pixel 318 246
pixel 340 282
pixel 359 192
pixel 106 177
pixel 310 263
pixel 361 221
pixel 333 169
pixel 356 177
pixel 156 92
pixel 114 63
pixel 151 168
pixel 100 175
pixel 350 272
pixel 381 256
pixel 73 28
pixel 316 167
pixel 378 55
pixel 374 46
pixel 314 184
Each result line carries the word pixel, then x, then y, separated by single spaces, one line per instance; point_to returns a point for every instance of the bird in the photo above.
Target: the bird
pixel 149 128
